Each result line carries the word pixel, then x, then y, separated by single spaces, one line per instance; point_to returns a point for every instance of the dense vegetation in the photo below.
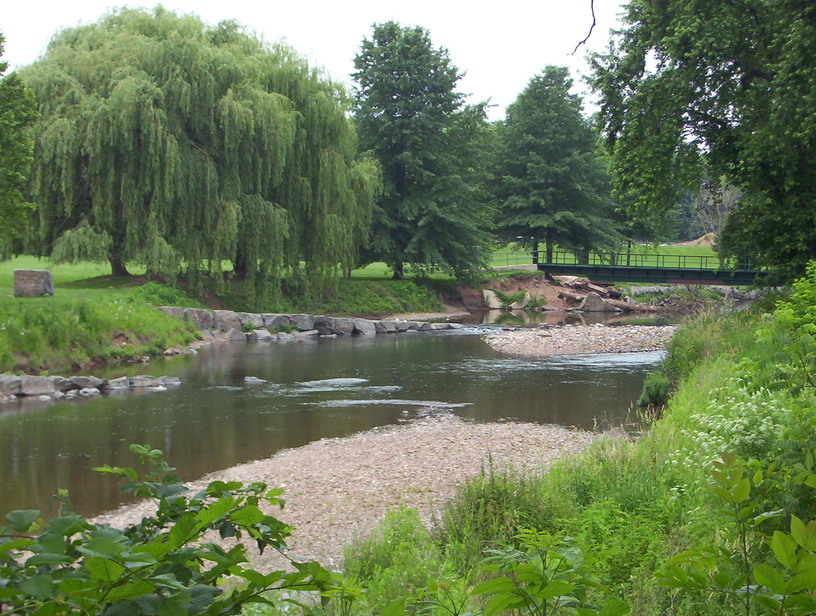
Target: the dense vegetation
pixel 682 103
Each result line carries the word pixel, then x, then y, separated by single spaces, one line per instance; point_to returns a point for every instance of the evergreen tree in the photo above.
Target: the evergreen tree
pixel 553 187
pixel 166 141
pixel 432 213
pixel 18 111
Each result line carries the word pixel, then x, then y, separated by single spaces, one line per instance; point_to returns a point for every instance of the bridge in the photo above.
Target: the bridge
pixel 637 267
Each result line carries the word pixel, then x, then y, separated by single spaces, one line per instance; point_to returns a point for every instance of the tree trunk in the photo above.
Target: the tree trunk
pixel 550 233
pixel 118 267
pixel 534 252
pixel 240 266
pixel 399 271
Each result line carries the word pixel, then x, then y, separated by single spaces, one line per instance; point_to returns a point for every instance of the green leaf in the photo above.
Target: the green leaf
pixel 247 515
pixel 104 569
pixel 498 584
pixel 214 511
pixel 102 547
pixel 741 491
pixel 21 520
pixel 48 559
pixel 41 587
pixel 771 578
pixel 395 608
pixel 784 548
pixel 614 607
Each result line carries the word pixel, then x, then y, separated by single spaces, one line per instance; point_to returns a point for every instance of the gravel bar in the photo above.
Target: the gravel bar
pixel 581 339
pixel 337 489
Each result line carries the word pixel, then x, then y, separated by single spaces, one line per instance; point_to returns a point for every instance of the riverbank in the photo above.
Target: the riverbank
pixel 573 340
pixel 338 489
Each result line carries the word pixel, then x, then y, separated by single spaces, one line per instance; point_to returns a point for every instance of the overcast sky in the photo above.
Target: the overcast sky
pixel 499 45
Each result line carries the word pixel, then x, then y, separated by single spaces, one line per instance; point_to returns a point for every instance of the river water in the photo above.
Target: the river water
pixel 314 389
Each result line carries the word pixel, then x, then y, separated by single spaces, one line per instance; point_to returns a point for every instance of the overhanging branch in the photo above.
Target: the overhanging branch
pixel 591 28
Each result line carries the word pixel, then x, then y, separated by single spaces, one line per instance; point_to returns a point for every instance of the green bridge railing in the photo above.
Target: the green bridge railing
pixel 636 267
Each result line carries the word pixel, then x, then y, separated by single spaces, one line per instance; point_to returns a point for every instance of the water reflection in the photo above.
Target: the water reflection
pixel 304 392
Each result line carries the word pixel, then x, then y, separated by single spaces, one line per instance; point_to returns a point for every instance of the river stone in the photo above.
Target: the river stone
pixel 170 381
pixel 249 318
pixel 364 326
pixel 226 320
pixel 274 322
pixel 88 391
pixel 343 326
pixel 283 337
pixel 402 326
pixel 236 335
pixel 33 283
pixel 307 334
pixel 425 327
pixel 302 322
pixel 144 381
pixel 122 382
pixel 202 319
pixel 492 300
pixel 173 311
pixel 38 386
pixel 439 326
pixel 85 382
pixel 324 325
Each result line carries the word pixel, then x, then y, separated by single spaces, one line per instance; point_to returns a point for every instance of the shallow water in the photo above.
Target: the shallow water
pixel 306 391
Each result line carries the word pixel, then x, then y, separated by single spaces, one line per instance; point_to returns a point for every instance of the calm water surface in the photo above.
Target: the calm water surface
pixel 312 390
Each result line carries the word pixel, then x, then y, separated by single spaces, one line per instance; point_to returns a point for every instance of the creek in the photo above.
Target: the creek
pixel 314 389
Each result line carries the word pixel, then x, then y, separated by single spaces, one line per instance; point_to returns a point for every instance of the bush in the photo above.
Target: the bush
pixel 655 390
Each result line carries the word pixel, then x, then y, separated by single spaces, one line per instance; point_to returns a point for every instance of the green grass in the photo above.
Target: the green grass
pixel 91 317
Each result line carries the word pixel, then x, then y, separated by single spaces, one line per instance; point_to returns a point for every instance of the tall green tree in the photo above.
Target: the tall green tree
pixel 553 187
pixel 163 140
pixel 691 89
pixel 18 111
pixel 432 213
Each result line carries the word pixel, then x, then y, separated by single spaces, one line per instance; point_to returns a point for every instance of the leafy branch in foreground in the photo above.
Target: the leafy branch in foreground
pixel 163 564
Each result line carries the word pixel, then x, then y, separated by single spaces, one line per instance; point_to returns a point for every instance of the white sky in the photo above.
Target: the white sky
pixel 500 46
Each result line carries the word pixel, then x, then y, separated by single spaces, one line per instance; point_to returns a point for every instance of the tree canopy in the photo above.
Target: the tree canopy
pixel 692 89
pixel 553 187
pixel 18 111
pixel 432 213
pixel 164 140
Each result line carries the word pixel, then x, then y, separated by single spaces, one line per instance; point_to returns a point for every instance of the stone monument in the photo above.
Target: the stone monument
pixel 33 283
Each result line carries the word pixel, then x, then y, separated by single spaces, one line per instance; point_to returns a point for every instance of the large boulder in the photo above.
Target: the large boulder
pixel 173 311
pixel 302 322
pixel 236 335
pixel 201 318
pixel 595 303
pixel 275 322
pixel 10 385
pixel 522 303
pixel 343 326
pixel 251 319
pixel 119 384
pixel 364 327
pixel 40 385
pixel 492 300
pixel 144 381
pixel 324 325
pixel 33 283
pixel 87 382
pixel 226 320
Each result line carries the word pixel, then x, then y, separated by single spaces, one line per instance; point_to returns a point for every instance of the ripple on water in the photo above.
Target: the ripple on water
pixel 390 402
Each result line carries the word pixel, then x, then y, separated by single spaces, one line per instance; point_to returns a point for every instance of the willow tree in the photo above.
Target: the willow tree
pixel 17 114
pixel 168 142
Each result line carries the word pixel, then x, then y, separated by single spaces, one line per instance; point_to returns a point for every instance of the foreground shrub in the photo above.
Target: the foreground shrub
pixel 163 564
